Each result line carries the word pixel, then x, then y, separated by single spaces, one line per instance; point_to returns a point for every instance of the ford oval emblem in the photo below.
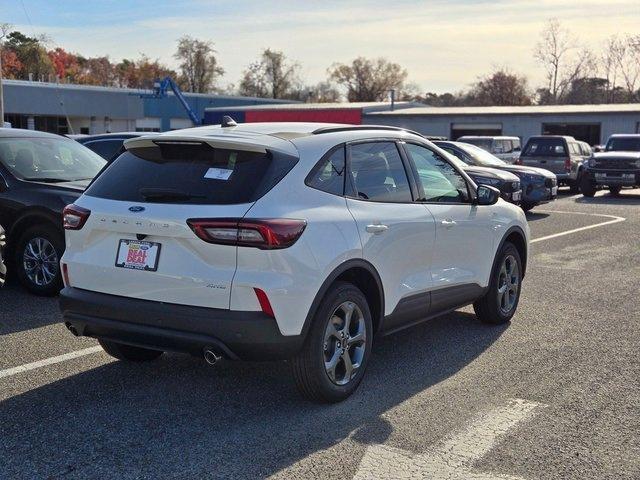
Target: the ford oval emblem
pixel 136 209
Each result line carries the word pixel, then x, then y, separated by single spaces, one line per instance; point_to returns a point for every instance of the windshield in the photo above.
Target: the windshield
pixel 49 159
pixel 484 143
pixel 482 157
pixel 623 144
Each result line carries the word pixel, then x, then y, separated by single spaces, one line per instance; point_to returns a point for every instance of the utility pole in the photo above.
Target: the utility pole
pixel 4 28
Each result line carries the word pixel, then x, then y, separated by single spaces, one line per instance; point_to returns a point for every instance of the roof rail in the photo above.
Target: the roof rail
pixel 363 127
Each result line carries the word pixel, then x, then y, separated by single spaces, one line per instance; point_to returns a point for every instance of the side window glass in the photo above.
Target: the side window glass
pixel 105 148
pixel 508 146
pixel 458 154
pixel 378 172
pixel 440 181
pixel 328 174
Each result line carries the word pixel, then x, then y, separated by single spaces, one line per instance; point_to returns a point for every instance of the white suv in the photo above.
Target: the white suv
pixel 284 241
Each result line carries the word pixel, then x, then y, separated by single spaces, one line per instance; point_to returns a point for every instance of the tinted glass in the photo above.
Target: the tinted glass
pixel 192 174
pixel 482 157
pixel 624 144
pixel 440 182
pixel 328 174
pixel 105 148
pixel 484 143
pixel 458 154
pixel 378 173
pixel 545 147
pixel 49 159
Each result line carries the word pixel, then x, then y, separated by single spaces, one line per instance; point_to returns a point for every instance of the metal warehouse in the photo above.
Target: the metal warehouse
pixel 69 108
pixel 591 123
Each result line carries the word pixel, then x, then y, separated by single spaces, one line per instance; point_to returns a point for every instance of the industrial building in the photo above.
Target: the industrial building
pixel 590 123
pixel 69 108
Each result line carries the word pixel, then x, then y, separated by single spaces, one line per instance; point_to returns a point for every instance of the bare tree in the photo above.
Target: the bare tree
pixel 324 92
pixel 609 66
pixel 198 64
pixel 627 57
pixel 555 51
pixel 368 80
pixel 273 75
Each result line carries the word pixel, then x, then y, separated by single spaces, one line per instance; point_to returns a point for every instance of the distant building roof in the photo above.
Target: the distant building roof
pixel 365 106
pixel 520 110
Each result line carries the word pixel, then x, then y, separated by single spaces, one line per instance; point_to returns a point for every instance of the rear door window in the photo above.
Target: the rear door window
pixel 191 174
pixel 378 172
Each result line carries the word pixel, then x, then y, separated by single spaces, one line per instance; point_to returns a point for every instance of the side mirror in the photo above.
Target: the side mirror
pixel 487 195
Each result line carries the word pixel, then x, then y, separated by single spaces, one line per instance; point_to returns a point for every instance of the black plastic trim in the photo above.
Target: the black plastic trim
pixel 171 327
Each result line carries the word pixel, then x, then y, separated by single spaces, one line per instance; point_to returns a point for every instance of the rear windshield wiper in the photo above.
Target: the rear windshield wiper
pixel 159 194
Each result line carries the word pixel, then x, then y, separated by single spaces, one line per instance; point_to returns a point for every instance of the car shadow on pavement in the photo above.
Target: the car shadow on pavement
pixel 21 310
pixel 178 418
pixel 533 216
pixel 608 199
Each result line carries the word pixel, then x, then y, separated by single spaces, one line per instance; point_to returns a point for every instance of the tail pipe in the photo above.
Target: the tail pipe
pixel 211 356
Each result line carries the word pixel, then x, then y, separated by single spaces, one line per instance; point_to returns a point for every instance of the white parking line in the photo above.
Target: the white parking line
pixel 452 458
pixel 49 361
pixel 614 219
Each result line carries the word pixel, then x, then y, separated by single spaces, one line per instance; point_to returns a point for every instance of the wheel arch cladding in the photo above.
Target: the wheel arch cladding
pixel 30 219
pixel 363 275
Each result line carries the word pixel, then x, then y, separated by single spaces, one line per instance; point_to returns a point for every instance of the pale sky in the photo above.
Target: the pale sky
pixel 444 45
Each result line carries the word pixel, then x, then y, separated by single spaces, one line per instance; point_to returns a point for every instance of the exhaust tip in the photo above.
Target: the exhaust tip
pixel 71 328
pixel 211 357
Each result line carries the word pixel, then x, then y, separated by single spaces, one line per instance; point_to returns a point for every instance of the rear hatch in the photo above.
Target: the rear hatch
pixel 137 242
pixel 549 153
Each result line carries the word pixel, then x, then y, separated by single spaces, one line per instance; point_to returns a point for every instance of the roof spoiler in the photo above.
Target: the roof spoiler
pixel 133 144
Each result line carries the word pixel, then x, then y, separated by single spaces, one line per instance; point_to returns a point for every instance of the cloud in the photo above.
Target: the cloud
pixel 445 45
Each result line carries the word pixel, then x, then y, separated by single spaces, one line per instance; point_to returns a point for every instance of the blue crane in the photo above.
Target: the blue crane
pixel 160 88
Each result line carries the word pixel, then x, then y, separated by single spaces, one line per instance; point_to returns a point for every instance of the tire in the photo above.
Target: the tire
pixel 574 186
pixel 527 206
pixel 587 187
pixel 615 191
pixel 37 259
pixel 128 352
pixel 492 307
pixel 314 381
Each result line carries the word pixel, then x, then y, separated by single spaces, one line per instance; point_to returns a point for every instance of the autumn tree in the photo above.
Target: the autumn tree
pixel 31 54
pixel 198 64
pixel 368 80
pixel 274 76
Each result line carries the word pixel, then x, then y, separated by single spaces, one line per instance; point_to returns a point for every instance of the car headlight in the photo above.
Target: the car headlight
pixel 638 163
pixel 515 186
pixel 487 181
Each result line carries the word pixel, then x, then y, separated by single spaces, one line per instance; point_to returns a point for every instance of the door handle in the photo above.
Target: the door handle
pixel 377 228
pixel 448 223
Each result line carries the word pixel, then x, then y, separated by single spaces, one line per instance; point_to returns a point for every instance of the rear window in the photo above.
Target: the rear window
pixel 191 174
pixel 545 147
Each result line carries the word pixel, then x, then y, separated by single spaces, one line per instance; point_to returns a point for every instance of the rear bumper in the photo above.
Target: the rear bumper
pixel 178 328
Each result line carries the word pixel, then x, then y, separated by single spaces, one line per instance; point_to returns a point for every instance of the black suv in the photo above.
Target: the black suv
pixel 618 166
pixel 109 145
pixel 40 174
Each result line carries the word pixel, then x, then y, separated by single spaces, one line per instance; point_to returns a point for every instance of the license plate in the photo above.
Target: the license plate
pixel 138 255
pixel 620 176
pixel 554 190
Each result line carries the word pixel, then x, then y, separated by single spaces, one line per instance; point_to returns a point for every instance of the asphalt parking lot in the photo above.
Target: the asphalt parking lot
pixel 555 394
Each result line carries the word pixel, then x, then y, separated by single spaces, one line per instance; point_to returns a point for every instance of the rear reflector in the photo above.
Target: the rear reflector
pixel 65 275
pixel 567 164
pixel 74 217
pixel 265 304
pixel 266 234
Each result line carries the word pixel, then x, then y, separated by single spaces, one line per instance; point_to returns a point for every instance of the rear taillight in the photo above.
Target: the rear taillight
pixel 567 164
pixel 74 217
pixel 518 161
pixel 267 234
